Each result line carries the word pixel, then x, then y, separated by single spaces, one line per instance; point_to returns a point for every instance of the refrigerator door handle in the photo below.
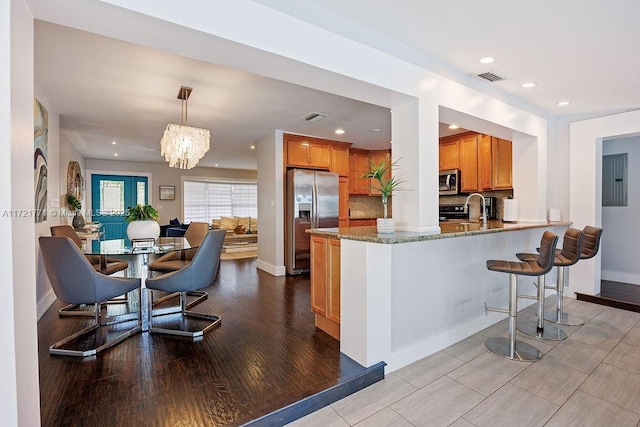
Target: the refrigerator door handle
pixel 314 202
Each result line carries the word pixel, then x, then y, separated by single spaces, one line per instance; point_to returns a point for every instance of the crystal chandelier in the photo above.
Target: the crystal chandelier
pixel 181 145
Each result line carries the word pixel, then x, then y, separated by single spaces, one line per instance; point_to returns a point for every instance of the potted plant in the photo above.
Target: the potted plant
pixel 75 205
pixel 143 222
pixel 385 185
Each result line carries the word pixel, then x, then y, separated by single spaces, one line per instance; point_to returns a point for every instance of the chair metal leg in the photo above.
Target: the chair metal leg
pixel 56 348
pixel 510 348
pixel 559 316
pixel 538 329
pixel 215 321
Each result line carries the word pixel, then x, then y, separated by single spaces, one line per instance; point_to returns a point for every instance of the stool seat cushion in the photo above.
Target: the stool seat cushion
pixel 558 260
pixel 515 267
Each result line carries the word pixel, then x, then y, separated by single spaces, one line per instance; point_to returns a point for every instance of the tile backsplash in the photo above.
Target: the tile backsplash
pixel 364 207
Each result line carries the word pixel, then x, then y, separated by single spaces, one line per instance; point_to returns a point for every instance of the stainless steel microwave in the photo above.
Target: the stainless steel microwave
pixel 449 182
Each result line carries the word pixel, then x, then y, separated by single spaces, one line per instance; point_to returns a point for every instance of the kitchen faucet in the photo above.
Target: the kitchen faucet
pixel 484 209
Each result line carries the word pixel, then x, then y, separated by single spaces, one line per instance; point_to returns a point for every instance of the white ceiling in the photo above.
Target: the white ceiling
pixel 585 52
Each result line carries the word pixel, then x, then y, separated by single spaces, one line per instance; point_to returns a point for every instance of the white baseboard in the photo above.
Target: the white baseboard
pixel 617 276
pixel 45 302
pixel 274 270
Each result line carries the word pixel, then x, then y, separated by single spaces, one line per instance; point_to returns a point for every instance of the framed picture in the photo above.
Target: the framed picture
pixel 167 192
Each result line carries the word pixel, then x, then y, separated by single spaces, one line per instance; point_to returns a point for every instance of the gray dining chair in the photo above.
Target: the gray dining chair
pixel 198 274
pixel 103 264
pixel 75 281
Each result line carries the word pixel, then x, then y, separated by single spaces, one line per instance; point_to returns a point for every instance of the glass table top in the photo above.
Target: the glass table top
pixel 124 246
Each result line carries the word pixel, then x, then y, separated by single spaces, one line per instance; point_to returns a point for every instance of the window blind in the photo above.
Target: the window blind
pixel 206 200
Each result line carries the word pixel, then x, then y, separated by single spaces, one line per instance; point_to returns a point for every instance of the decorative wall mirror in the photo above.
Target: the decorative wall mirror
pixel 75 181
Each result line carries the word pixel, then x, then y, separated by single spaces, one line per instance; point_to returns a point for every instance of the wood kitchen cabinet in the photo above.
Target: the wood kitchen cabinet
pixel 376 157
pixel 340 160
pixel 494 163
pixel 362 222
pixel 358 166
pixel 469 163
pixel 343 201
pixel 448 157
pixel 306 152
pixel 484 161
pixel 325 284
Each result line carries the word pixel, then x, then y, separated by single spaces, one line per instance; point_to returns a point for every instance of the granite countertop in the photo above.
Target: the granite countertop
pixel 448 229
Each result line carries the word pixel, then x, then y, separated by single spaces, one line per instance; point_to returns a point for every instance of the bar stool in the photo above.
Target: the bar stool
pixel 565 257
pixel 590 245
pixel 509 347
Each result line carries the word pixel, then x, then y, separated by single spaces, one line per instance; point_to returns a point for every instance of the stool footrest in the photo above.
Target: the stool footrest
pixel 535 297
pixel 497 310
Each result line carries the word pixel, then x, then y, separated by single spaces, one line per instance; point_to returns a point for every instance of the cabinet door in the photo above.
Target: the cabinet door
pixel 502 164
pixel 485 162
pixel 333 282
pixel 297 153
pixel 468 163
pixel 358 165
pixel 343 201
pixel 377 157
pixel 448 154
pixel 319 156
pixel 319 275
pixel 340 160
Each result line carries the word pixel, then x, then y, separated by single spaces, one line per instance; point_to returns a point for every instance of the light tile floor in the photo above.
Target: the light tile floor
pixel 590 379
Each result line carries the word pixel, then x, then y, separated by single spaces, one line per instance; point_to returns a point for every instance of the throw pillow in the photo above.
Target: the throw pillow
pixel 254 225
pixel 244 222
pixel 174 221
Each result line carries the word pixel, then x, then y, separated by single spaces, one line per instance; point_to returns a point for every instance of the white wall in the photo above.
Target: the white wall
pixel 619 249
pixel 271 203
pixel 19 394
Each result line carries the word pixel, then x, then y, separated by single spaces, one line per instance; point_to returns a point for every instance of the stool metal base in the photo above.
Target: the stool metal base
pixel 549 332
pixel 563 319
pixel 523 352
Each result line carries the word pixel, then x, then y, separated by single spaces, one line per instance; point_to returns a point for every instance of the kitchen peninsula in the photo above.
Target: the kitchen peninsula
pixel 407 295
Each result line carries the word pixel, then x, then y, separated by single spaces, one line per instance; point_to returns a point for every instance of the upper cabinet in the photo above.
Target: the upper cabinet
pixel 485 161
pixel 359 161
pixel 449 157
pixel 340 160
pixel 358 166
pixel 305 153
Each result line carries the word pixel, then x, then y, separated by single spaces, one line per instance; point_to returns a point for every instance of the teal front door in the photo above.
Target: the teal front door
pixel 111 196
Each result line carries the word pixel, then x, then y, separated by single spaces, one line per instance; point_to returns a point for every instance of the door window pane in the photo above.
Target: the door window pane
pixel 111 197
pixel 141 193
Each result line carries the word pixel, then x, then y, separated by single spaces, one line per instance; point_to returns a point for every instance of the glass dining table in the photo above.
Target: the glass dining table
pixel 138 258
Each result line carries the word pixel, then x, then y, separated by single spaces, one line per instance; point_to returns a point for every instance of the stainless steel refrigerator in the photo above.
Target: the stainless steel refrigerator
pixel 312 202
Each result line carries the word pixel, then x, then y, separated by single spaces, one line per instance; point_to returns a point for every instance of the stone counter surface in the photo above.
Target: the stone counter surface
pixel 448 229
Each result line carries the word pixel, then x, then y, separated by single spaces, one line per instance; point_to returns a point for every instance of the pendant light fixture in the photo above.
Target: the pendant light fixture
pixel 181 145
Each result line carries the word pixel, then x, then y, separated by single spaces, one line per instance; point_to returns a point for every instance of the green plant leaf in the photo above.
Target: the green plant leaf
pixel 142 213
pixel 377 172
pixel 73 202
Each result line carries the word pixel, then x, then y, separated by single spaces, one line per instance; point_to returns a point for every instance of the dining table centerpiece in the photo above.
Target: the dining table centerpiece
pixel 75 205
pixel 383 181
pixel 143 222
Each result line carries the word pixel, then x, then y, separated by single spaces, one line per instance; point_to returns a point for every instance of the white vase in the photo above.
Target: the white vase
pixel 386 225
pixel 147 229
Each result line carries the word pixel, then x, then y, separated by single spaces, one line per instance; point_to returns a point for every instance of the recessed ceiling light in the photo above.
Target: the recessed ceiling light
pixel 454 126
pixel 528 84
pixel 113 143
pixel 253 147
pixel 562 103
pixel 487 60
pixel 216 165
pixel 115 154
pixel 339 131
pixel 375 130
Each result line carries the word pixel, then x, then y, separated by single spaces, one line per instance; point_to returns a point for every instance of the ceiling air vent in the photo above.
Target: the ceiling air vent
pixel 313 117
pixel 490 76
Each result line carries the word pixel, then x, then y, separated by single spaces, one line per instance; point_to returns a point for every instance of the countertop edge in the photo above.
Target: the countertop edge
pixel 369 234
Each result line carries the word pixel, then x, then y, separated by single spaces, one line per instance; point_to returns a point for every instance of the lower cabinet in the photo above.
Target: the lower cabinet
pixel 325 284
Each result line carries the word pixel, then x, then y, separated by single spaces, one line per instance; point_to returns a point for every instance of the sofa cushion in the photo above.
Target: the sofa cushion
pixel 244 222
pixel 254 225
pixel 227 223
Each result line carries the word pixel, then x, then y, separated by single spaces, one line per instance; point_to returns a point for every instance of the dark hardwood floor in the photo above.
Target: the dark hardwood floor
pixel 625 296
pixel 266 365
